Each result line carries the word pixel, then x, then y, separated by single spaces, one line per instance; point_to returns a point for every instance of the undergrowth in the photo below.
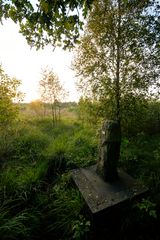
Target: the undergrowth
pixel 37 197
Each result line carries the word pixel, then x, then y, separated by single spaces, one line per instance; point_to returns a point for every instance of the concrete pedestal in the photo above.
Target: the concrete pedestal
pixel 100 195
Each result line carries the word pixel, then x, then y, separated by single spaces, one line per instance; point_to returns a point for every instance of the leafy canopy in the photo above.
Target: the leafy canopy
pixel 50 87
pixel 47 22
pixel 52 92
pixel 118 58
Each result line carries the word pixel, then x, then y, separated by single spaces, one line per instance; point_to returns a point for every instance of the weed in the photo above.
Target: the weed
pixel 146 206
pixel 66 209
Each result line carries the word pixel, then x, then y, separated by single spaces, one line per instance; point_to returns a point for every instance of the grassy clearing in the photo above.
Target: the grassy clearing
pixel 36 195
pixel 37 198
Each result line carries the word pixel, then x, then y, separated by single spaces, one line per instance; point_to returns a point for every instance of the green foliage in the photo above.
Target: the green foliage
pixel 138 115
pixel 71 148
pixel 29 146
pixel 13 227
pixel 82 149
pixel 80 227
pixel 37 198
pixel 140 157
pixel 39 153
pixel 52 92
pixel 30 180
pixel 152 123
pixel 16 223
pixel 89 111
pixel 22 141
pixel 8 93
pixel 47 23
pixel 111 61
pixel 142 216
pixel 7 138
pixel 8 183
pixel 152 170
pixel 147 206
pixel 42 124
pixel 22 181
pixel 134 114
pixel 67 207
pixel 56 157
pixel 8 113
pixel 141 117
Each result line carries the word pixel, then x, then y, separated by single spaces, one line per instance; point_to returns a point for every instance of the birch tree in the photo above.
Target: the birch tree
pixel 52 92
pixel 119 54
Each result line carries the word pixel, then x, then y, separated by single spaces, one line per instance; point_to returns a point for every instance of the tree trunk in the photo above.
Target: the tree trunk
pixel 117 95
pixel 52 110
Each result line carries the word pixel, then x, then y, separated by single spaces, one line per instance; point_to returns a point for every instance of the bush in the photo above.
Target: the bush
pixel 151 173
pixel 140 156
pixel 7 138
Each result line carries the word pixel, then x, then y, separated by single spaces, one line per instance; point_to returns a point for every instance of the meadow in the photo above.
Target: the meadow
pixel 37 197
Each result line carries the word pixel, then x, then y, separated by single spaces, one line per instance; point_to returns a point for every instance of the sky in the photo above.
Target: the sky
pixel 26 64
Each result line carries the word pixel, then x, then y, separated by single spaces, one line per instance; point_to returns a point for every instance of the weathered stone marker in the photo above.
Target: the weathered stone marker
pixel 103 186
pixel 110 140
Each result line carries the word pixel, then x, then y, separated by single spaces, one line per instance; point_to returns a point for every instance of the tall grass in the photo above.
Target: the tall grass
pixel 37 198
pixel 66 210
pixel 39 154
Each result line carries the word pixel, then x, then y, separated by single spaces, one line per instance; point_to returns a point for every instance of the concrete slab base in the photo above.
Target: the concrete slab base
pixel 100 195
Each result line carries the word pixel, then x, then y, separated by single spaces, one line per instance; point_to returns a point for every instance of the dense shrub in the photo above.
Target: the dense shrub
pixel 140 156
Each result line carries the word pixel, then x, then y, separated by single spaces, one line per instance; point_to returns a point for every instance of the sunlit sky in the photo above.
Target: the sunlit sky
pixel 20 61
